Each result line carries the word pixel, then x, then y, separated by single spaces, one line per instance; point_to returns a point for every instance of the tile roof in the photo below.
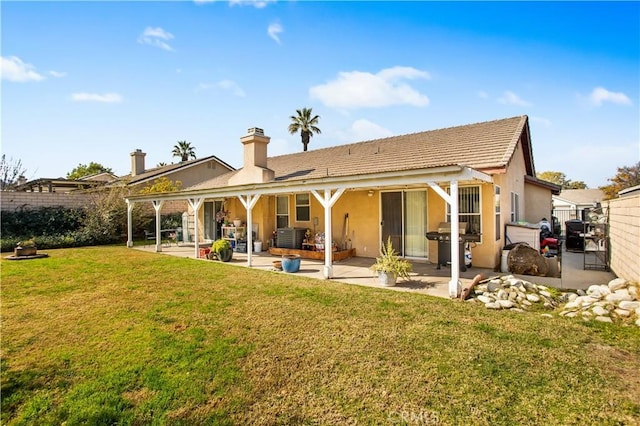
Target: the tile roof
pixel 581 196
pixel 485 145
pixel 162 170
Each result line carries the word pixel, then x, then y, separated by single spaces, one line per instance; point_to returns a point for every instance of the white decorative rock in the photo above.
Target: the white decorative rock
pixel 633 291
pixel 506 303
pixel 492 305
pixel 593 289
pixel 638 322
pixel 571 297
pixel 604 290
pixel 542 287
pixel 485 299
pixel 517 310
pixel 600 311
pixel 571 314
pixel 581 292
pixel 572 305
pixel 533 298
pixel 617 284
pixel 502 295
pixel 629 305
pixel 617 297
pixel 604 319
pixel 493 286
pixel 622 312
pixel 525 302
pixel 587 314
pixel 545 293
pixel 546 315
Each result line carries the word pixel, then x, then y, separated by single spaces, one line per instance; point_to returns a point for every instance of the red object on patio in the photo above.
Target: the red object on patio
pixel 204 252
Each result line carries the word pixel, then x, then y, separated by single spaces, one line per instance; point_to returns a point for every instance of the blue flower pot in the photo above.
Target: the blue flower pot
pixel 291 262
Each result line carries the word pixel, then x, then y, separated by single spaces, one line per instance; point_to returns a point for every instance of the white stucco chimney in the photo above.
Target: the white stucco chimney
pixel 137 162
pixel 254 169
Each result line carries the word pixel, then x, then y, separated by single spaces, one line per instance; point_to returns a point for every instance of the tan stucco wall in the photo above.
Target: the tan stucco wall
pixel 537 203
pixel 624 230
pixel 195 174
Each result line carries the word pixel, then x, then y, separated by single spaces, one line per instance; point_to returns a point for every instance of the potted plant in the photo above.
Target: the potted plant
pixel 390 266
pixel 25 248
pixel 223 250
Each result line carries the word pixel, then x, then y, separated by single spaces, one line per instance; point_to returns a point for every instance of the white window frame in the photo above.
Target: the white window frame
pixel 282 214
pixel 497 212
pixel 515 207
pixel 460 204
pixel 306 206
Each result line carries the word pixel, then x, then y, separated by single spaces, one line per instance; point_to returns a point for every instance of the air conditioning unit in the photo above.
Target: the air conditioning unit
pixel 290 237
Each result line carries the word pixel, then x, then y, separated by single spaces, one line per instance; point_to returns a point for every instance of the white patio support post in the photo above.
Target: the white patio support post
pixel 249 201
pixel 130 205
pixel 157 205
pixel 327 202
pixel 195 204
pixel 452 200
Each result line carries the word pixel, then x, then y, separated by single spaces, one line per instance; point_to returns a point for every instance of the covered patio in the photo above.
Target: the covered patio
pixel 425 277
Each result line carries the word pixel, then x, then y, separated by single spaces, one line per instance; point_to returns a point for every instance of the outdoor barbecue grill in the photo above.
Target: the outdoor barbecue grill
pixel 443 237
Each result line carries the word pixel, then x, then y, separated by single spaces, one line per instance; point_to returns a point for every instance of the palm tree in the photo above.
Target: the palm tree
pixel 305 124
pixel 184 150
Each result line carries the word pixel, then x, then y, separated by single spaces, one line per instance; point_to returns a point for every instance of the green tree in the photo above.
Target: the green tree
pixel 10 171
pixel 626 177
pixel 87 170
pixel 162 184
pixel 304 123
pixel 184 150
pixel 560 178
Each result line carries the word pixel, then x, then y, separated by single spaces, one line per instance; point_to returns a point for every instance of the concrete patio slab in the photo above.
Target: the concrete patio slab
pixel 425 278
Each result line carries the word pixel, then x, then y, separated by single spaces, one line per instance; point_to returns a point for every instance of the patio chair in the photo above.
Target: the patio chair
pixel 149 236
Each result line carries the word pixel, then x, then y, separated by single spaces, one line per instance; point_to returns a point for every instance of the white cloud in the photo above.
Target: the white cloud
pixel 228 85
pixel 510 98
pixel 156 37
pixel 356 89
pixel 57 74
pixel 364 130
pixel 258 4
pixel 483 95
pixel 13 69
pixel 600 95
pixel 95 97
pixel 273 31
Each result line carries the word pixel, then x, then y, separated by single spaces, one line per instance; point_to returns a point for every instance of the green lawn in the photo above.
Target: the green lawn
pixel 110 335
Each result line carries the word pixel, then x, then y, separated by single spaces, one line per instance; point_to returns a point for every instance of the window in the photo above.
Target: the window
pixel 497 210
pixel 302 207
pixel 468 208
pixel 515 207
pixel 282 211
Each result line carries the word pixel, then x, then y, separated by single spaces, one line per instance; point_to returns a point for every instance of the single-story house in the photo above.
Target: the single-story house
pixel 575 204
pixel 400 187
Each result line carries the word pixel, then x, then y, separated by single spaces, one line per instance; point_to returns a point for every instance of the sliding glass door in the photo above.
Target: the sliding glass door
pixel 404 219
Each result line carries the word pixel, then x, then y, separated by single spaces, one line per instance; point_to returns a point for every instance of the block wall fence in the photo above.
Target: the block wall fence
pixel 624 231
pixel 12 201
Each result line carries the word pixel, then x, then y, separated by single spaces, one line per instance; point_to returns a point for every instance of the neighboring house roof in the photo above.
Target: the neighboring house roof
pixel 58 185
pixel 158 172
pixel 580 197
pixel 487 146
pixel 102 177
pixel 629 191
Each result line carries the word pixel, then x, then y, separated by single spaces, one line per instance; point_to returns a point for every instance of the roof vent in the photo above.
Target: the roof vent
pixel 255 131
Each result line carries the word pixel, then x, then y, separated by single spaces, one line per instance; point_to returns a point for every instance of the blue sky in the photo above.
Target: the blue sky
pixel 93 81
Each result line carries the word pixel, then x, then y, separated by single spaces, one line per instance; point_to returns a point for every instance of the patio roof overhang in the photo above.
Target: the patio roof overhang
pixel 443 174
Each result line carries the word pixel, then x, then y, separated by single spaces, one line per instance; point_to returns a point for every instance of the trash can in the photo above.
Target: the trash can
pixel 257 246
